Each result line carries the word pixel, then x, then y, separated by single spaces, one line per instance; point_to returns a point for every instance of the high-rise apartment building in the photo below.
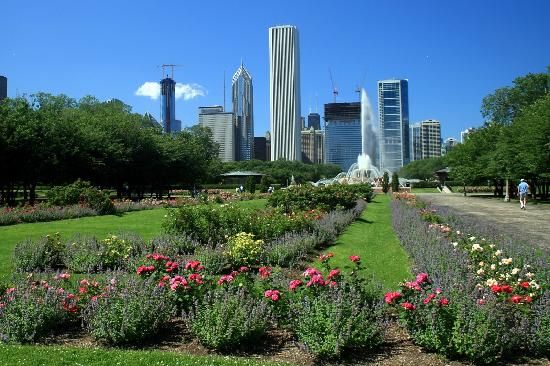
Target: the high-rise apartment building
pixel 221 125
pixel 284 93
pixel 314 120
pixel 342 133
pixel 448 145
pixel 243 114
pixel 167 103
pixel 393 114
pixel 312 146
pixel 415 142
pixel 3 87
pixel 431 138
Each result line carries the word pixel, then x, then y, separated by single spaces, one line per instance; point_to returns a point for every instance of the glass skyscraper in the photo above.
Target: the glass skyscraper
pixel 342 133
pixel 243 114
pixel 284 93
pixel 168 103
pixel 393 114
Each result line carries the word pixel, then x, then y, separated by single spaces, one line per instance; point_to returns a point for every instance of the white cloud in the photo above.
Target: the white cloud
pixel 151 89
pixel 189 91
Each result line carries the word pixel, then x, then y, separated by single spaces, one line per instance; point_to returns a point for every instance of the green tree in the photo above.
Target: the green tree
pixel 250 185
pixel 385 182
pixel 395 182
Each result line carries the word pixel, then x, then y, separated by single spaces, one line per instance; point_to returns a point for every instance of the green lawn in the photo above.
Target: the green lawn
pixel 424 190
pixel 372 238
pixel 145 223
pixel 65 356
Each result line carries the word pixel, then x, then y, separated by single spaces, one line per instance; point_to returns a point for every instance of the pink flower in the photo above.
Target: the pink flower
pixel 527 299
pixel 294 284
pixel 272 294
pixel 10 290
pixel 310 272
pixel 145 270
pixel 62 276
pixel 84 283
pixel 333 273
pixel 355 258
pixel 413 285
pixel 197 278
pixel 444 302
pixel 390 297
pixel 481 302
pixel 325 257
pixel 316 280
pixel 178 281
pixel 516 299
pixel 193 265
pixel 225 279
pixel 171 266
pixel 429 298
pixel 421 278
pixel 82 290
pixel 408 306
pixel 265 272
pixel 438 291
pixel 244 269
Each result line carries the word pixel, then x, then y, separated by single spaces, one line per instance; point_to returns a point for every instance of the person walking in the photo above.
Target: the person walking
pixel 523 188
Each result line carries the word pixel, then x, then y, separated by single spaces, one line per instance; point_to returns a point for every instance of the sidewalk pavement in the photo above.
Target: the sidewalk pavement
pixel 532 224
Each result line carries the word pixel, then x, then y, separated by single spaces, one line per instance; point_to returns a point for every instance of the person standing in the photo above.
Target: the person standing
pixel 523 188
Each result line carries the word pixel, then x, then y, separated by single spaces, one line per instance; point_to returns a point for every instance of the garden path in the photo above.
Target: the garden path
pixel 531 225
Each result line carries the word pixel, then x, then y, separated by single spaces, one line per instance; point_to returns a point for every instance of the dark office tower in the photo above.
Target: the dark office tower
pixel 259 148
pixel 284 93
pixel 3 87
pixel 314 120
pixel 243 114
pixel 342 133
pixel 168 103
pixel 393 114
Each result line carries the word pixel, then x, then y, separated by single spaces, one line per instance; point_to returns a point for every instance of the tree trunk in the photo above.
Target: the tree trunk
pixel 32 194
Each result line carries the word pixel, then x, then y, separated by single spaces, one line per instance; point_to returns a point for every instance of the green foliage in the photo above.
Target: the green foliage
pixel 30 313
pixel 385 182
pixel 264 184
pixel 250 185
pixel 242 249
pixel 130 313
pixel 227 319
pixel 422 169
pixel 46 253
pixel 81 192
pixel 114 251
pixel 395 182
pixel 335 321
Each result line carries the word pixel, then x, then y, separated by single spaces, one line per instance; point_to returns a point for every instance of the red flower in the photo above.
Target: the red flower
pixel 516 299
pixel 265 272
pixel 311 272
pixel 146 270
pixel 506 288
pixel 408 306
pixel 527 299
pixel 421 277
pixel 429 298
pixel 197 278
pixel 316 280
pixel 243 269
pixel 390 297
pixel 272 294
pixel 294 284
pixel 524 284
pixel 225 279
pixel 193 265
pixel 355 258
pixel 444 302
pixel 333 273
pixel 178 281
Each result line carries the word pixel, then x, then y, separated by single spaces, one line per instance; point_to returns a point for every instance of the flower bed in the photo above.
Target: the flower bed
pixel 495 306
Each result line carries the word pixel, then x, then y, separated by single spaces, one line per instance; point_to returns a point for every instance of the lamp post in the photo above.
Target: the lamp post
pixel 507 196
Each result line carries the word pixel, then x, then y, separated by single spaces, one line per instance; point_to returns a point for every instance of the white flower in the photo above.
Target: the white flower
pixel 491 246
pixel 482 239
pixel 534 285
pixel 477 248
pixel 458 232
pixel 481 264
pixel 493 267
pixel 472 238
pixel 454 244
pixel 502 275
pixel 498 252
pixel 529 275
pixel 506 261
pixel 515 271
pixel 491 282
pixel 480 271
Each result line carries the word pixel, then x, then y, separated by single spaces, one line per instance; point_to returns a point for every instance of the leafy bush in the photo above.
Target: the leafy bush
pixel 84 255
pixel 336 320
pixel 46 253
pixel 115 251
pixel 242 249
pixel 395 182
pixel 250 185
pixel 129 313
pixel 385 182
pixel 227 319
pixel 173 245
pixel 81 192
pixel 28 313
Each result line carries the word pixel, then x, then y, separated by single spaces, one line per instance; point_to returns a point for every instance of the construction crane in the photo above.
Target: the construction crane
pixel 334 90
pixel 163 66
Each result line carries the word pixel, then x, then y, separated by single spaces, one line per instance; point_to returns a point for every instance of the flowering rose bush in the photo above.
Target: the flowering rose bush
pixel 242 249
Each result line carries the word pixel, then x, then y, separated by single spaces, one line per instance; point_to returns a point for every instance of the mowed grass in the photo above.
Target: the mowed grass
pixel 424 190
pixel 147 224
pixel 65 356
pixel 372 238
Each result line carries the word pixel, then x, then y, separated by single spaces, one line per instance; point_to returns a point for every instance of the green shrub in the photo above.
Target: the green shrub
pixel 385 182
pixel 83 255
pixel 250 185
pixel 130 313
pixel 46 253
pixel 81 192
pixel 395 183
pixel 30 313
pixel 242 249
pixel 334 321
pixel 227 319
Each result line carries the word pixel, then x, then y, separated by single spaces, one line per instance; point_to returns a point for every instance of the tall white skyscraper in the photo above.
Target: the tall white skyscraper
pixel 243 114
pixel 284 93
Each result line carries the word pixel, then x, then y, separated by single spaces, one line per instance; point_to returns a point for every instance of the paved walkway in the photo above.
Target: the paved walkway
pixel 532 224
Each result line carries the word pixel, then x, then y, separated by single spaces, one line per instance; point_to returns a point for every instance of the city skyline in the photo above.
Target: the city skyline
pixel 472 47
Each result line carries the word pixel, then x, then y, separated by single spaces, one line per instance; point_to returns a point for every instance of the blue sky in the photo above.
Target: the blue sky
pixel 452 52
